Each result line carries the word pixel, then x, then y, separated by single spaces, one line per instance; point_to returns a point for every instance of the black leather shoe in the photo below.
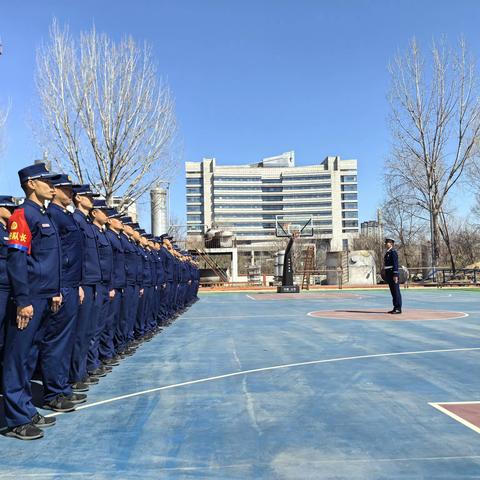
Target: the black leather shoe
pixel 111 362
pixel 396 312
pixel 80 387
pixel 25 432
pixel 43 422
pixel 98 372
pixel 59 404
pixel 77 398
pixel 391 311
pixel 91 380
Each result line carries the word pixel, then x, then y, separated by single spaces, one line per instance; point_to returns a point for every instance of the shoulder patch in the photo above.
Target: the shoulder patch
pixel 19 235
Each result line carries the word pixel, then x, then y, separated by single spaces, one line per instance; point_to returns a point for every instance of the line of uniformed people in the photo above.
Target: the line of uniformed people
pixel 79 291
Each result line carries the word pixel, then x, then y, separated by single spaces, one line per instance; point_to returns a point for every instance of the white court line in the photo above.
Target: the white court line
pixel 251 298
pixel 265 369
pixel 393 320
pixel 453 415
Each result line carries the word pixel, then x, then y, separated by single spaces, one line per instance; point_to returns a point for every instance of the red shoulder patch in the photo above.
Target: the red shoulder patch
pixel 19 235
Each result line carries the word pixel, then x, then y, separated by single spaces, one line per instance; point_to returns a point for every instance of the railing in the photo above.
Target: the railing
pixel 443 276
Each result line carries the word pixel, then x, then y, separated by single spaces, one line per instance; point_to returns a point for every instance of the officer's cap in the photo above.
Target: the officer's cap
pixel 149 236
pixel 63 180
pixel 165 236
pixel 7 201
pixel 85 190
pixel 35 171
pixel 135 225
pixel 389 240
pixel 112 213
pixel 100 204
pixel 126 220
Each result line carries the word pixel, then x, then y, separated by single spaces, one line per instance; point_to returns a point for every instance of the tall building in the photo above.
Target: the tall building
pixel 246 199
pixel 159 210
pixel 373 228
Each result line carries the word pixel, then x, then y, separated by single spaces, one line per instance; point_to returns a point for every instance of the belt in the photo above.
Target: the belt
pixel 386 268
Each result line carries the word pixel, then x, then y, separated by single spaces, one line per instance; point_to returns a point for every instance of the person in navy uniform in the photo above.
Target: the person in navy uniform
pixel 105 291
pixel 391 275
pixel 91 278
pixel 62 325
pixel 7 206
pixel 34 270
pixel 108 351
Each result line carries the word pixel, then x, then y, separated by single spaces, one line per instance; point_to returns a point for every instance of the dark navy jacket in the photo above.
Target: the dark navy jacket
pixel 105 254
pixel 391 262
pixel 161 273
pixel 131 263
pixel 33 259
pixel 4 283
pixel 119 278
pixel 147 267
pixel 169 267
pixel 71 241
pixel 140 261
pixel 91 272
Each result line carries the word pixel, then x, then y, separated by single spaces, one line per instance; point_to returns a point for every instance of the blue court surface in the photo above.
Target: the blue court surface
pixel 251 387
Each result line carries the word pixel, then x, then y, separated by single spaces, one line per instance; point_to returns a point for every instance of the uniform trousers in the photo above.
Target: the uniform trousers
pixel 132 311
pixel 395 291
pixel 5 305
pixel 100 314
pixel 106 346
pixel 57 346
pixel 121 332
pixel 20 359
pixel 81 342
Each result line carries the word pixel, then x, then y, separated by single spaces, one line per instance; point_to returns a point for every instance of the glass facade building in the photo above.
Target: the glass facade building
pixel 245 199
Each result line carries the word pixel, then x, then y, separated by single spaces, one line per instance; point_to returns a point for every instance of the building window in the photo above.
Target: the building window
pixel 349 188
pixel 345 244
pixel 350 214
pixel 350 206
pixel 273 198
pixel 271 180
pixel 194 218
pixel 194 181
pixel 322 186
pixel 305 178
pixel 348 178
pixel 350 223
pixel 272 189
pixel 238 179
pixel 194 190
pixel 194 208
pixel 349 196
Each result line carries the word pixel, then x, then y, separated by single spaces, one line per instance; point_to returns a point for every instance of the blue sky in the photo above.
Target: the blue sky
pixel 251 78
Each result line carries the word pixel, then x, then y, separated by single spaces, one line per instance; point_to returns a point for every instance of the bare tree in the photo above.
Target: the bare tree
pixel 435 123
pixel 108 118
pixel 3 120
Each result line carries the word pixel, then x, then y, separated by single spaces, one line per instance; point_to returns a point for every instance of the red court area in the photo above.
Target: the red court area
pixel 466 413
pixel 382 315
pixel 303 296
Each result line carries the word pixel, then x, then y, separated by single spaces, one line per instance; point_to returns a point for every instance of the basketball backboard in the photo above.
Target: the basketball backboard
pixel 288 225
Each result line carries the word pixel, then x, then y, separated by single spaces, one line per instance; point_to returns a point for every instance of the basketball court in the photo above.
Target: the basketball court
pixel 263 386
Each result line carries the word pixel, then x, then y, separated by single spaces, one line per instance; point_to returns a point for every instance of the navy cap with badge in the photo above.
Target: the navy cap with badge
pixel 85 190
pixel 389 240
pixel 63 180
pixel 100 205
pixel 126 220
pixel 7 201
pixel 37 171
pixel 112 213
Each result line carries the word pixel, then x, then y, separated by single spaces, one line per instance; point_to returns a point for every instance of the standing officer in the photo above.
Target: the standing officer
pixel 33 263
pixel 91 277
pixel 62 325
pixel 108 353
pixel 391 275
pixel 104 292
pixel 7 206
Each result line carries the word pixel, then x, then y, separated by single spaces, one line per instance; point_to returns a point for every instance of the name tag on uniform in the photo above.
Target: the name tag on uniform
pixel 45 224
